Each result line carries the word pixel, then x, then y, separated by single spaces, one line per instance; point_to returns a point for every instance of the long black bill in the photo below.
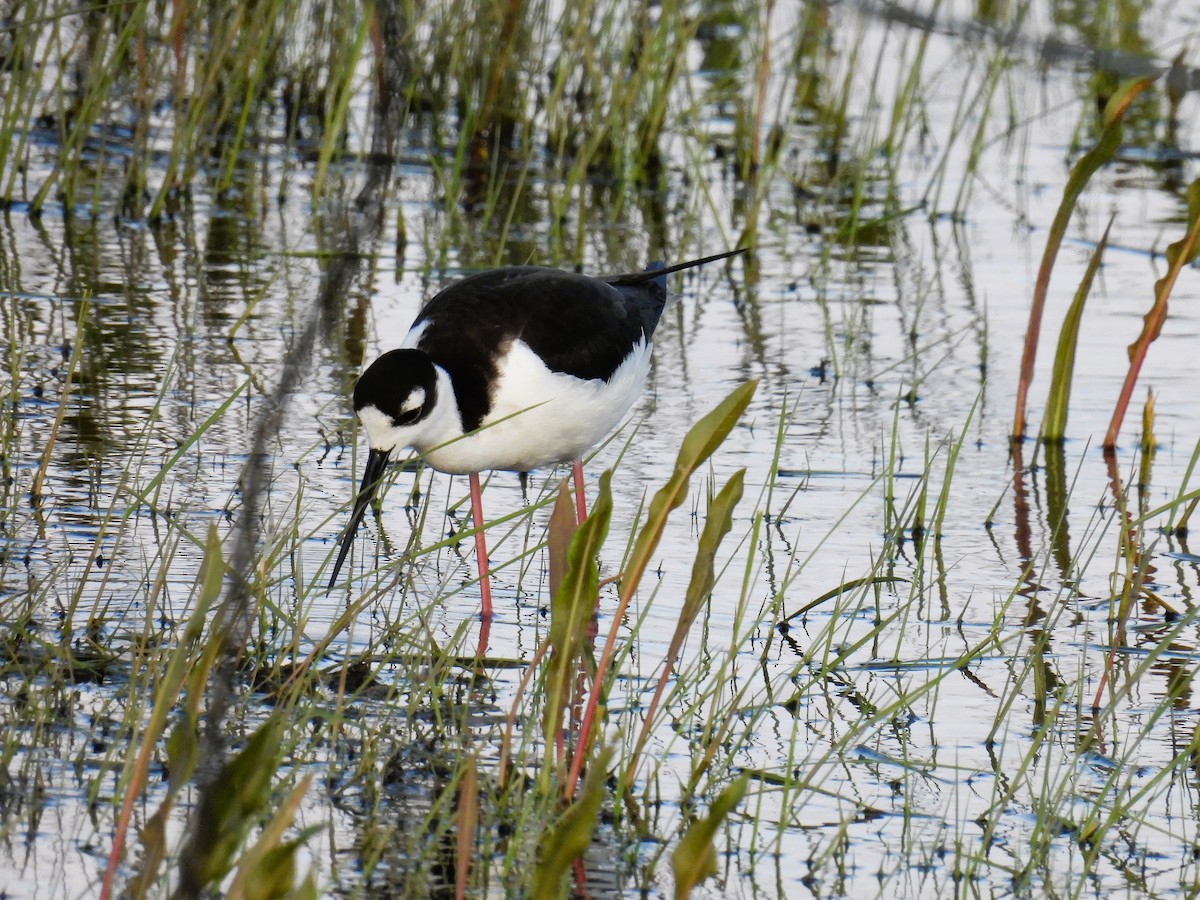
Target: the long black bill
pixel 377 461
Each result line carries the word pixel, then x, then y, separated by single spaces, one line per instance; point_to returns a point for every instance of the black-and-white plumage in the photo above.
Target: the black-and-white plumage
pixel 513 369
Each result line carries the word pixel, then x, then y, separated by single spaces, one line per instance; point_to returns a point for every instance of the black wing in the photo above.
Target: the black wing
pixel 577 324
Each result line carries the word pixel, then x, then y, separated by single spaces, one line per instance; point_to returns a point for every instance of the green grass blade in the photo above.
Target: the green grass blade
pixel 701 442
pixel 1054 426
pixel 336 121
pixel 181 746
pixel 1084 169
pixel 717 524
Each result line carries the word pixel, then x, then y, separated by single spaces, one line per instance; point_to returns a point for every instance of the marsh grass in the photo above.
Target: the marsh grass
pixel 1087 165
pixel 398 713
pixel 785 701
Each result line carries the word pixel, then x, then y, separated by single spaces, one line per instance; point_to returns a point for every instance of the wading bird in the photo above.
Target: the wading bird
pixel 511 369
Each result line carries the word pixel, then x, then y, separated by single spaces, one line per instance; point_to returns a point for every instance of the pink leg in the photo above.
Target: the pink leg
pixel 580 502
pixel 485 629
pixel 481 560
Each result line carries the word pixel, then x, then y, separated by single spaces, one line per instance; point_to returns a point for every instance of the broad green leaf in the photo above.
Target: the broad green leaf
pixel 272 875
pixel 701 442
pixel 267 870
pixel 212 577
pixel 571 834
pixel 558 535
pixel 694 858
pixel 716 526
pixel 181 751
pixel 229 805
pixel 572 607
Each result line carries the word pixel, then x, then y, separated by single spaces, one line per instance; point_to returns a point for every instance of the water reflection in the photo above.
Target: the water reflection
pixel 969 635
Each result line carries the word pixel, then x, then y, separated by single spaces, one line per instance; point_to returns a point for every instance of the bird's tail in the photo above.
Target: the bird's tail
pixel 658 272
pixel 647 290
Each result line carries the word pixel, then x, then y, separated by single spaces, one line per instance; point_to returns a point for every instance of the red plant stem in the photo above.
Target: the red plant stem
pixel 1150 331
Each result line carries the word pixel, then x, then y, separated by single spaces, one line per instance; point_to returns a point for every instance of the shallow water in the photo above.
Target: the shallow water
pixel 879 751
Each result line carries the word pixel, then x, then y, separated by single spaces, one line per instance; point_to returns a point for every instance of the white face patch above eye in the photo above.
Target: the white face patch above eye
pixel 415 400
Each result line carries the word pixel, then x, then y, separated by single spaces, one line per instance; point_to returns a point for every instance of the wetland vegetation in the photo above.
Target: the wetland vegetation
pixel 896 596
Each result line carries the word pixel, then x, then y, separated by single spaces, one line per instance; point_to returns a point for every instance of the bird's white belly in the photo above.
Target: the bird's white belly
pixel 540 417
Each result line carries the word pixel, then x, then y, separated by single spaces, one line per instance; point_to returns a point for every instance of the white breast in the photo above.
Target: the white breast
pixel 540 417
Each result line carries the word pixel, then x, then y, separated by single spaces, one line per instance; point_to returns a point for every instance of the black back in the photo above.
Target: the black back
pixel 577 324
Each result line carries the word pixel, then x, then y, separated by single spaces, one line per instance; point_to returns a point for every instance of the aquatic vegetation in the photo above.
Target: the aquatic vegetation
pixel 850 638
pixel 1087 166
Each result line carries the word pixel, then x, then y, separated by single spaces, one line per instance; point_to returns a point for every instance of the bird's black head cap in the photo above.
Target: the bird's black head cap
pixel 402 384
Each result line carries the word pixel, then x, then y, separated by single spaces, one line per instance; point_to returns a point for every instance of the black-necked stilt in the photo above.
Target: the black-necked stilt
pixel 510 369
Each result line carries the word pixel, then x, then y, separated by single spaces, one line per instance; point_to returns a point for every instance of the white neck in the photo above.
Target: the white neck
pixel 444 423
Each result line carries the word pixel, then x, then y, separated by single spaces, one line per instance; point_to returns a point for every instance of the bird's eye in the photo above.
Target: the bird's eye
pixel 408 416
pixel 410 409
